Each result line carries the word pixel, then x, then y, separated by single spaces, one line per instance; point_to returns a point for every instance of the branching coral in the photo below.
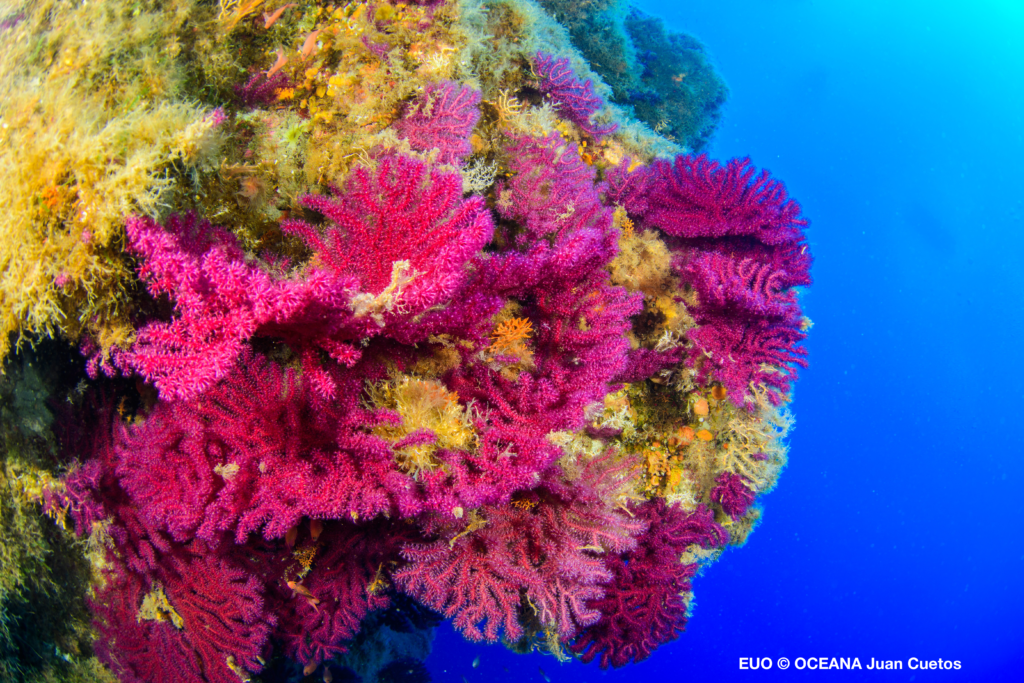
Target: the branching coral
pixel 575 99
pixel 739 243
pixel 442 118
pixel 544 548
pixel 398 248
pixel 645 603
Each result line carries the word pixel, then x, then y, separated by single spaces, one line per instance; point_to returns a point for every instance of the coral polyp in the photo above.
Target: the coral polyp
pixel 365 315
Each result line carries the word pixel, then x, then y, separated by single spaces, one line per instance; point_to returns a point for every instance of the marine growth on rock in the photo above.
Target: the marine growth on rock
pixel 366 315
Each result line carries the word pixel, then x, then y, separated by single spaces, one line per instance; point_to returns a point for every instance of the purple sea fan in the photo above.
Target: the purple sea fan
pixel 348 578
pixel 552 191
pixel 749 324
pixel 573 366
pixel 733 494
pixel 697 197
pixel 742 286
pixel 642 608
pixel 401 242
pixel 738 241
pixel 580 320
pixel 218 621
pixel 259 450
pixel 260 90
pixel 443 118
pixel 544 547
pixel 730 209
pixel 643 363
pixel 575 99
pixel 744 352
pixel 220 298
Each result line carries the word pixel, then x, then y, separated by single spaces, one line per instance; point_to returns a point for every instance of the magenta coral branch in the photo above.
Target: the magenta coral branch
pixel 259 451
pixel 738 241
pixel 215 294
pixel 349 581
pixel 552 191
pixel 398 247
pixel 750 323
pixel 442 118
pixel 217 621
pixel 403 232
pixel 697 197
pixel 745 285
pixel 545 548
pixel 575 99
pixel 734 493
pixel 642 607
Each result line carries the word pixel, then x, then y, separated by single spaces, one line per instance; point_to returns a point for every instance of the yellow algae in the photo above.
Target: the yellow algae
pixel 156 607
pixel 424 406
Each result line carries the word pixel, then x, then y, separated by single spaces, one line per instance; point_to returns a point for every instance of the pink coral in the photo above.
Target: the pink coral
pixel 575 99
pixel 750 324
pixel 580 319
pixel 221 300
pixel 258 450
pixel 734 493
pixel 696 197
pixel 738 241
pixel 222 621
pixel 642 607
pixel 546 548
pixel 399 244
pixel 642 364
pixel 401 213
pixel 348 579
pixel 441 118
pixel 744 353
pixel 552 191
pixel 260 89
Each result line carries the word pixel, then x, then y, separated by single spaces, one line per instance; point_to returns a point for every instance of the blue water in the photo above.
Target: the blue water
pixel 896 530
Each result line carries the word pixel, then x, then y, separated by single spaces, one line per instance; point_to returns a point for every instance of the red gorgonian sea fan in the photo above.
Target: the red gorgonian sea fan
pixel 208 621
pixel 544 548
pixel 404 232
pixel 441 118
pixel 643 605
pixel 399 242
pixel 336 435
pixel 696 197
pixel 575 99
pixel 738 240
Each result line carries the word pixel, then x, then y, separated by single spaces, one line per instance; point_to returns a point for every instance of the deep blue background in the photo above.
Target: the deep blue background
pixel 895 532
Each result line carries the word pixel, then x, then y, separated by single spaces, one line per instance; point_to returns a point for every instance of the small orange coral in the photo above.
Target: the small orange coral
pixel 510 333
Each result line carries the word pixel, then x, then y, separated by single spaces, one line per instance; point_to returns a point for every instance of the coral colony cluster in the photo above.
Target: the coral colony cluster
pixel 386 316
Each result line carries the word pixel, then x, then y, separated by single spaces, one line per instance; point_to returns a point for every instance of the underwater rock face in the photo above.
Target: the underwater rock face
pixel 387 314
pixel 664 78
